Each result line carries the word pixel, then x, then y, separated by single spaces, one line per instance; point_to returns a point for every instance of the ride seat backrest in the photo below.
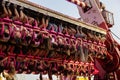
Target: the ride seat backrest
pixel 7 20
pixel 28 25
pixel 17 22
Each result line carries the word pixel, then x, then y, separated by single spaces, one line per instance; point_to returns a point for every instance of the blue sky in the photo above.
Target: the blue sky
pixel 70 9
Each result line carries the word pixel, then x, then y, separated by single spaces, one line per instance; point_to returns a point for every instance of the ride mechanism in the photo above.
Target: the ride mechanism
pixel 37 40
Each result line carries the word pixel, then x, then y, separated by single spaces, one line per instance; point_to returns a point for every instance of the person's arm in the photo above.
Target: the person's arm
pixel 4 59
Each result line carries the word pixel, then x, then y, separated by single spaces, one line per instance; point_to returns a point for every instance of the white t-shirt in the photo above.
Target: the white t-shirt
pixel 55 77
pixel 45 77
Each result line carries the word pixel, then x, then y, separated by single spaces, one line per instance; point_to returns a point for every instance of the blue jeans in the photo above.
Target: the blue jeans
pixel 80 54
pixel 54 26
pixel 85 51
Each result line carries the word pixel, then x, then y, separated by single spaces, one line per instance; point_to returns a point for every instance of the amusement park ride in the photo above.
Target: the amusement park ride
pixel 37 40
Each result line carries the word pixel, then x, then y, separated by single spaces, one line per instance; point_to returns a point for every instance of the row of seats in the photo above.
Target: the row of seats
pixel 28 65
pixel 48 39
pixel 25 30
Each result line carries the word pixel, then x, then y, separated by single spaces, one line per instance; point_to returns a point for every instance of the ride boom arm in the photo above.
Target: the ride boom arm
pixel 93 12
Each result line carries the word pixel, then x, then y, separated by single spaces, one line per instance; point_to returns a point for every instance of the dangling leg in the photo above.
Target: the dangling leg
pixel 5 12
pixel 31 20
pixel 25 20
pixel 36 52
pixel 46 22
pixel 41 53
pixel 42 25
pixel 54 25
pixel 11 72
pixel 23 17
pixel 21 14
pixel 90 57
pixel 17 16
pixel 44 53
pixel 4 48
pixel 76 55
pixel 9 11
pixel 86 54
pixel 82 56
pixel 10 48
pixel 60 28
